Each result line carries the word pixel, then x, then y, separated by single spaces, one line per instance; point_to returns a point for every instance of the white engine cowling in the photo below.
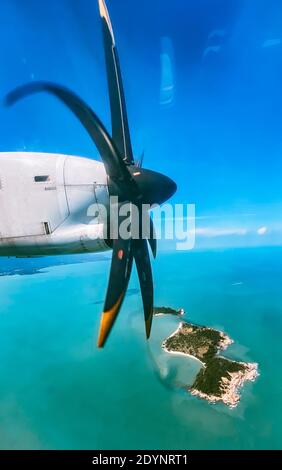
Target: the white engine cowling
pixel 46 204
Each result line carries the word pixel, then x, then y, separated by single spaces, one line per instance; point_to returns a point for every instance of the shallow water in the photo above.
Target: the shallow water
pixel 58 391
pixel 203 89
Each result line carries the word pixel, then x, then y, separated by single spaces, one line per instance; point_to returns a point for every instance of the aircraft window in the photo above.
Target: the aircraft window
pixel 41 178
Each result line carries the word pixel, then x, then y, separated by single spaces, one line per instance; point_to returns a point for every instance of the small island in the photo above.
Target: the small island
pixel 219 378
pixel 168 311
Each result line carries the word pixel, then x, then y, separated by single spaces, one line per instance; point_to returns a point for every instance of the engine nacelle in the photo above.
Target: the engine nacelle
pixel 47 202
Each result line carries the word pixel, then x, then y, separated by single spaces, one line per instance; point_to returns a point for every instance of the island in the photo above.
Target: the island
pixel 168 311
pixel 220 378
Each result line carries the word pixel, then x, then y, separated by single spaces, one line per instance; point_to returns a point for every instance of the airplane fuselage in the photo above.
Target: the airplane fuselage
pixel 47 204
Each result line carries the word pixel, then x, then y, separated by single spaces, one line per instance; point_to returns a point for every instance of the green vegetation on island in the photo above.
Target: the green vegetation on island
pixel 209 378
pixel 198 341
pixel 220 378
pixel 168 311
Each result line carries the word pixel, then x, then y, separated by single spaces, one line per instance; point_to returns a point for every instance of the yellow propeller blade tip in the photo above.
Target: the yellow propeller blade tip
pixel 107 322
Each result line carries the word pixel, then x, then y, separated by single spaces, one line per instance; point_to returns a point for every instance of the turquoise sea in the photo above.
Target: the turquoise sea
pixel 57 391
pixel 202 80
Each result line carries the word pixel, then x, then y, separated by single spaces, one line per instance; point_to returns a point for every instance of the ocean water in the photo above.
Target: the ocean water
pixel 58 391
pixel 209 116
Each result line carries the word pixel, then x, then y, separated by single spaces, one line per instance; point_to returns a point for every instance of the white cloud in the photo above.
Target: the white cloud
pixel 213 232
pixel 262 231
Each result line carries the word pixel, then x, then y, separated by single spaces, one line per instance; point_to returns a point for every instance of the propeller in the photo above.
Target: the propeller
pixel 128 181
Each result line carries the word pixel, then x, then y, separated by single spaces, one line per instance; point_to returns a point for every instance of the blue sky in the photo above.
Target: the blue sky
pixel 220 138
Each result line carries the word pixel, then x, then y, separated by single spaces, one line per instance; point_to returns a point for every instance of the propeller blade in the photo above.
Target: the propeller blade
pixel 143 264
pixel 120 128
pixel 114 164
pixel 153 239
pixel 121 268
pixel 148 231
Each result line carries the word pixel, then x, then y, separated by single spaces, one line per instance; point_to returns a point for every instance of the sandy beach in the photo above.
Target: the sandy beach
pixel 229 386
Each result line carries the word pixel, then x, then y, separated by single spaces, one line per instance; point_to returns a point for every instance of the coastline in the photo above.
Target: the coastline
pixel 230 383
pixel 178 353
pixel 231 387
pixel 225 342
